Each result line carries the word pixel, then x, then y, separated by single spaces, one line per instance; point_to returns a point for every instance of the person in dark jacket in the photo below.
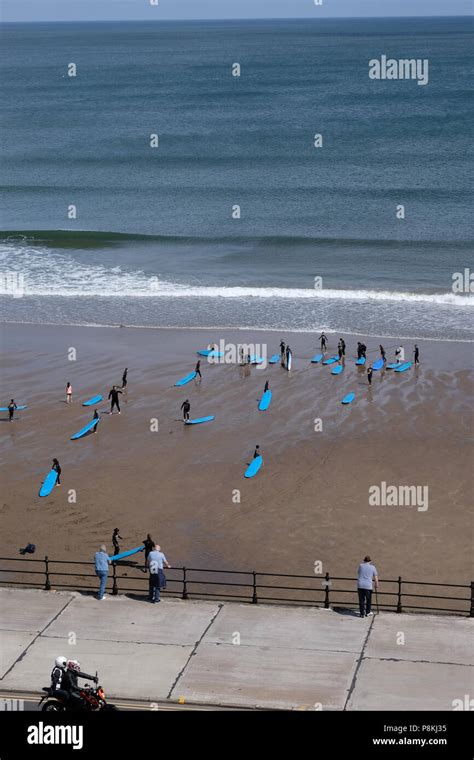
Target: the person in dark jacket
pixel 114 399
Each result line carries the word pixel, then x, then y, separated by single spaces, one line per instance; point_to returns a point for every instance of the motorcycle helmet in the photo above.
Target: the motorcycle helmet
pixel 74 665
pixel 60 662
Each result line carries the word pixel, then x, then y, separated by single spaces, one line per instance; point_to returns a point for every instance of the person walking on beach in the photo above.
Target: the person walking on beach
pixel 399 354
pixel 96 417
pixel 266 387
pixel 343 346
pixel 57 467
pixel 339 350
pixel 198 369
pixel 363 350
pixel 114 399
pixel 282 349
pixel 115 538
pixel 370 372
pixel 366 576
pixel 124 378
pixel 256 453
pixel 416 355
pixel 11 409
pixel 324 341
pixel 156 562
pixel 68 393
pixel 102 562
pixel 185 408
pixel 382 354
pixel 149 544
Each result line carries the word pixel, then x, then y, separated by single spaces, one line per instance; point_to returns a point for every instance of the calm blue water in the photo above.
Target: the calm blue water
pixel 180 258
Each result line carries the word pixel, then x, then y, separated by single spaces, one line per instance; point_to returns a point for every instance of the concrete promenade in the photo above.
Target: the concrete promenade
pixel 230 654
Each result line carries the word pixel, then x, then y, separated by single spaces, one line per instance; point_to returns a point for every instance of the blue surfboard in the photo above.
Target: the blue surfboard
pixel 209 352
pixel 393 365
pixel 265 401
pixel 337 370
pixel 48 483
pixel 127 554
pixel 378 364
pixel 18 409
pixel 199 420
pixel 331 360
pixel 403 367
pixel 186 379
pixel 256 359
pixel 274 359
pixel 360 362
pixel 253 467
pixel 316 358
pixel 90 426
pixel 92 401
pixel 348 399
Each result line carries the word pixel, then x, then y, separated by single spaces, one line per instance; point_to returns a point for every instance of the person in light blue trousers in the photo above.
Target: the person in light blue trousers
pixel 102 562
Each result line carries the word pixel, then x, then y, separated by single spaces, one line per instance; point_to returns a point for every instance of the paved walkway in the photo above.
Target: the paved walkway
pixel 225 653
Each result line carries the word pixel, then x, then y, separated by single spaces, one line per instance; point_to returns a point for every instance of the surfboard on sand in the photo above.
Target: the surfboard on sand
pixel 274 359
pixel 289 361
pixel 129 553
pixel 211 352
pixel 18 409
pixel 348 399
pixel 186 379
pixel 256 359
pixel 393 365
pixel 360 362
pixel 403 367
pixel 337 370
pixel 199 420
pixel 316 358
pixel 93 400
pixel 90 426
pixel 265 401
pixel 48 483
pixel 253 467
pixel 378 364
pixel 331 360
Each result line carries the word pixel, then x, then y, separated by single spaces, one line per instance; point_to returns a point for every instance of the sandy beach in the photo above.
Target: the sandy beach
pixel 309 502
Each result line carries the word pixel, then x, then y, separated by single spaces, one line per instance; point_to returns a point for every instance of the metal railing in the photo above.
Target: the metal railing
pixel 397 595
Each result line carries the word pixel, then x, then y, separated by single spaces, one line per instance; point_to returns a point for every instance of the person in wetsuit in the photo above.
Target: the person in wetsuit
pixel 382 354
pixel 197 369
pixel 370 372
pixel 256 453
pixel 363 350
pixel 57 467
pixel 124 377
pixel 185 408
pixel 11 409
pixel 324 341
pixel 266 387
pixel 359 354
pixel 343 346
pixel 114 399
pixel 115 537
pixel 149 544
pixel 416 355
pixel 282 348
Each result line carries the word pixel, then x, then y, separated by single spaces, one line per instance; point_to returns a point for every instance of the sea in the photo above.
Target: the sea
pixel 176 179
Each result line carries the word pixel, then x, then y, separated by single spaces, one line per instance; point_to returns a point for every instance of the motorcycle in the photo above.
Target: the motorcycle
pixel 92 700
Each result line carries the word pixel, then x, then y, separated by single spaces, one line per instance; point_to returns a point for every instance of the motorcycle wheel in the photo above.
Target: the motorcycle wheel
pixel 53 705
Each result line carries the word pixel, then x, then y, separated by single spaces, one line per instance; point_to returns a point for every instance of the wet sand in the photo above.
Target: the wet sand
pixel 309 502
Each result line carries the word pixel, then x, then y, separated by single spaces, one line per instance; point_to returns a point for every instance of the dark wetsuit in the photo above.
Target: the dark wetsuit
pixel 266 387
pixel 417 355
pixel 369 376
pixel 185 407
pixel 124 378
pixel 114 399
pixel 198 369
pixel 11 410
pixel 57 467
pixel 115 536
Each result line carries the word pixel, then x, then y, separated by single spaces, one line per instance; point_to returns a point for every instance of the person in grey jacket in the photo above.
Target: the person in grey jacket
pixel 102 562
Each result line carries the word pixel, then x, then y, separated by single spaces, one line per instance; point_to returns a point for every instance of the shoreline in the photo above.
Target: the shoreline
pixel 300 331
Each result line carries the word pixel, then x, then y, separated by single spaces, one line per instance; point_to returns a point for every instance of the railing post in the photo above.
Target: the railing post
pixel 185 585
pixel 47 585
pixel 471 611
pixel 114 575
pixel 326 593
pixel 254 594
pixel 399 600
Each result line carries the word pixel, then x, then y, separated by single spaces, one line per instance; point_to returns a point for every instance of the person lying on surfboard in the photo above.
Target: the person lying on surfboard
pixel 185 408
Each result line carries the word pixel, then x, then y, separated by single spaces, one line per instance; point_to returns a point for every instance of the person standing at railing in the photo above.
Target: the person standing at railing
pixel 102 562
pixel 156 562
pixel 366 578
